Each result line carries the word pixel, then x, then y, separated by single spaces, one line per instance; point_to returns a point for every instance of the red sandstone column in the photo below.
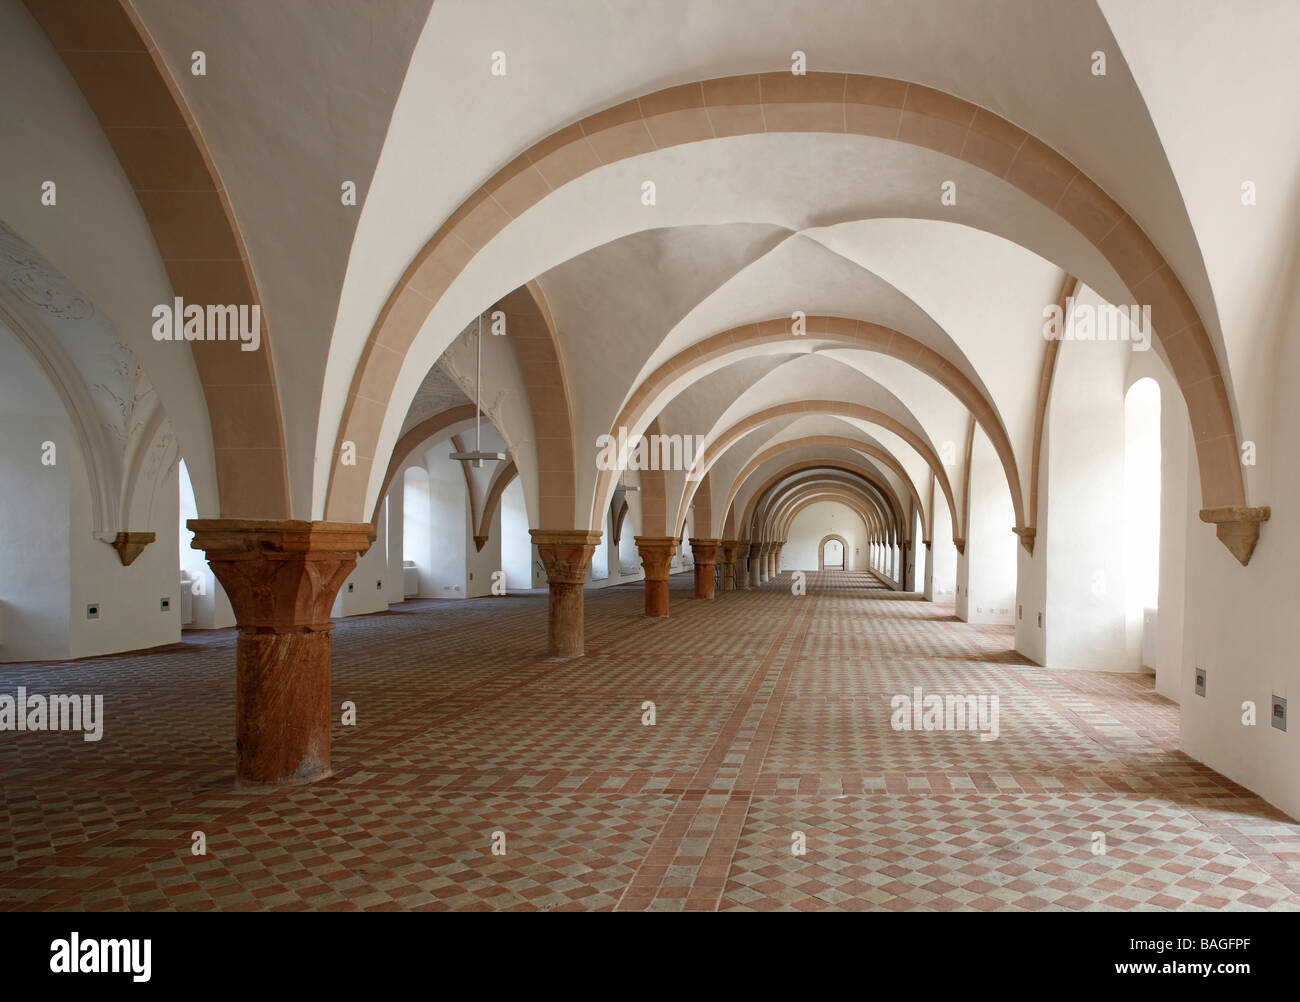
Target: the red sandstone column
pixel 705 554
pixel 727 560
pixel 566 555
pixel 656 557
pixel 755 564
pixel 281 577
pixel 742 564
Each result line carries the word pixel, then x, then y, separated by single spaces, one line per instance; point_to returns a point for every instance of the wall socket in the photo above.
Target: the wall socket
pixel 1279 713
pixel 351 587
pixel 379 585
pixel 92 611
pixel 164 605
pixel 1200 681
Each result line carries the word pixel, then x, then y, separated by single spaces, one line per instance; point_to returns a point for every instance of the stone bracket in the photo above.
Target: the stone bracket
pixel 130 545
pixel 1237 528
pixel 960 544
pixel 1026 534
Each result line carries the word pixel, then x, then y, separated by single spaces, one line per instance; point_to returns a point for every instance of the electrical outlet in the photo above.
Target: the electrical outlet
pixel 1020 612
pixel 1279 713
pixel 165 604
pixel 1040 620
pixel 351 587
pixel 92 611
pixel 1200 681
pixel 378 585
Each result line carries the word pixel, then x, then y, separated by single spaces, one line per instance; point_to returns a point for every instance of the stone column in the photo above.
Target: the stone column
pixel 281 577
pixel 776 563
pixel 728 561
pixel 705 554
pixel 566 555
pixel 742 564
pixel 657 558
pixel 755 564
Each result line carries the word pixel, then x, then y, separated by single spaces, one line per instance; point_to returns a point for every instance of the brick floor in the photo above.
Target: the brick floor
pixel 772 723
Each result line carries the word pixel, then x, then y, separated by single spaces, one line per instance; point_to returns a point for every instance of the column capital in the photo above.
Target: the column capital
pixel 281 576
pixel 656 554
pixel 566 553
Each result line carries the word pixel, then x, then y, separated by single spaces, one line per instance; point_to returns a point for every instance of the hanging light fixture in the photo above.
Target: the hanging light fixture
pixel 477 456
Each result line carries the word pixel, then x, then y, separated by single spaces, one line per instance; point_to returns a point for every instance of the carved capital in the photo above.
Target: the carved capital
pixel 480 542
pixel 565 553
pixel 1237 528
pixel 656 555
pixel 705 551
pixel 130 545
pixel 281 576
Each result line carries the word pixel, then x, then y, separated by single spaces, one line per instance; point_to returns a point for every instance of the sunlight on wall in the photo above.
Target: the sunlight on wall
pixel 1142 495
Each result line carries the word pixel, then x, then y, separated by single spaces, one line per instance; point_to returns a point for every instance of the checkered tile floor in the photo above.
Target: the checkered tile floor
pixel 772 734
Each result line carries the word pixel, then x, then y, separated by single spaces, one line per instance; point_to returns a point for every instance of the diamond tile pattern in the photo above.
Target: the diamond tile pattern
pixel 772 718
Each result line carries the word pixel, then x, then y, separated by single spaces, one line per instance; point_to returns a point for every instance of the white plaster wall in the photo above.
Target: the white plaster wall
pixel 1086 616
pixel 129 598
pixel 1031 575
pixel 812 525
pixel 447 521
pixel 1240 626
pixel 34 500
pixel 369 580
pixel 391 540
pixel 516 545
pixel 480 565
pixel 988 593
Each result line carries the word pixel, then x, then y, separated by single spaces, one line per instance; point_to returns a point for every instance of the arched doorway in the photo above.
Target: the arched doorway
pixel 832 554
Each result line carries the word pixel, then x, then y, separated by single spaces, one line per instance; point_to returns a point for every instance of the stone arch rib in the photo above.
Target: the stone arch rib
pixel 159 144
pixel 849 104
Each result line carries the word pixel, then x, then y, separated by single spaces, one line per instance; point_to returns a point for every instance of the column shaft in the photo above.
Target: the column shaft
pixel 281 578
pixel 657 558
pixel 566 555
pixel 705 554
